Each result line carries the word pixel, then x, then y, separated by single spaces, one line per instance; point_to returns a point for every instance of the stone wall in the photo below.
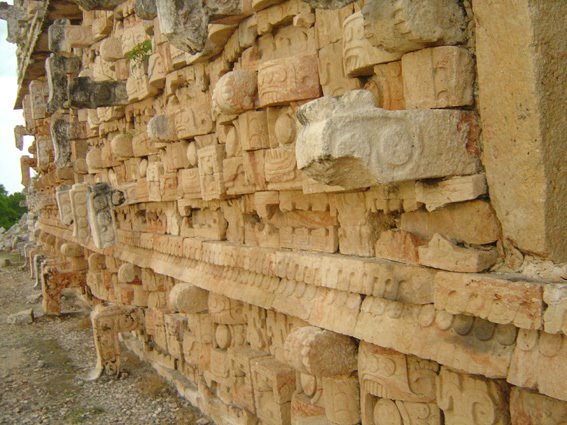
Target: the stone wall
pixel 311 212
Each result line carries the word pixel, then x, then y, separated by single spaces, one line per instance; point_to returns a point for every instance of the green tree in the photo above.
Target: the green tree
pixel 11 207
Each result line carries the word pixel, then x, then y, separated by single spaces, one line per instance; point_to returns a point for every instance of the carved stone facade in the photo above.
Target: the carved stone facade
pixel 309 212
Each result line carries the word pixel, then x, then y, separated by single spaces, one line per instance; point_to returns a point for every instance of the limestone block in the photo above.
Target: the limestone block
pixel 184 25
pixel 121 146
pixel 188 298
pixel 497 300
pixel 129 273
pixel 386 85
pixel 342 400
pixel 253 130
pixel 376 411
pixel 332 76
pixel 472 222
pixel 443 254
pixel 63 199
pixel 59 131
pixel 195 118
pixel 44 148
pixel 398 245
pixel 529 408
pixel 359 55
pixel 320 352
pixel 19 132
pixel 62 37
pixel 464 343
pixel 225 310
pixel 388 374
pixel 100 202
pixel 520 143
pixel 334 147
pixel 85 93
pixel 472 400
pixel 138 86
pixel 161 127
pixel 328 4
pixel 440 77
pixel 145 9
pixel 280 169
pixel 78 196
pixel 274 384
pixel 39 91
pixel 111 49
pixel 57 67
pixel 240 367
pixel 555 317
pixel 404 26
pixel 98 4
pixel 290 79
pixel 436 194
pixel 108 322
pixel 210 172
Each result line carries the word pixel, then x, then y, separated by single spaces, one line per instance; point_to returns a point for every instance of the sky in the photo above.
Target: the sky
pixel 10 175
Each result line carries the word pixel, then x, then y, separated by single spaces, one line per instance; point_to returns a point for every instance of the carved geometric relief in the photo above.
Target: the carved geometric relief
pixel 210 172
pixel 79 209
pixel 290 79
pixel 63 197
pixel 407 145
pixel 471 400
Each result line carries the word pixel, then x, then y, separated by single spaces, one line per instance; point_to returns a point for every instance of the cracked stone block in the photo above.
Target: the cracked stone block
pixel 350 143
pixel 57 69
pixel 408 25
pixel 328 4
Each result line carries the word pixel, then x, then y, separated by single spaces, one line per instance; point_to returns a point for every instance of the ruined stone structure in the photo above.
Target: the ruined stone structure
pixel 308 212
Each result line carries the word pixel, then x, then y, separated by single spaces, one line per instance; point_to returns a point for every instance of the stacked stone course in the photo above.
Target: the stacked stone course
pixel 308 212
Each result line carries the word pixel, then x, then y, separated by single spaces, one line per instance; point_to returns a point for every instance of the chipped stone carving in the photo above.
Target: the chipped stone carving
pixel 351 143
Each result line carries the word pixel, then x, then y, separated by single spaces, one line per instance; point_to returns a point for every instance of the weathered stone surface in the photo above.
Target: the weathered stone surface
pixel 100 202
pixel 472 400
pixel 59 130
pixel 529 408
pixel 472 222
pixel 188 298
pixel 436 194
pixel 351 143
pixel 328 4
pixel 407 25
pixel 440 77
pixel 57 69
pixel 399 246
pixel 290 79
pixel 145 9
pixel 235 92
pixel 555 316
pixel 320 352
pixel 441 253
pixel 98 4
pixel 359 55
pixel 538 363
pixel 497 300
pixel 184 24
pixel 111 49
pixel 86 93
pixel 464 343
pixel 520 142
pixel 406 378
pixel 19 132
pixel 63 37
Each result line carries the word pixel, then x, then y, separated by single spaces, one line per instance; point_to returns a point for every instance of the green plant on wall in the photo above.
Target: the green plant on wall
pixel 139 52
